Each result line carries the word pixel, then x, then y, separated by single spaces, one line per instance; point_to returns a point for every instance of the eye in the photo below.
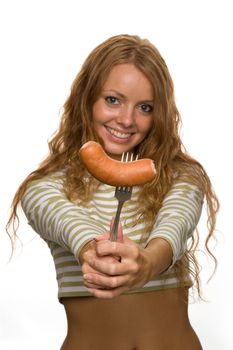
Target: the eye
pixel 146 108
pixel 112 100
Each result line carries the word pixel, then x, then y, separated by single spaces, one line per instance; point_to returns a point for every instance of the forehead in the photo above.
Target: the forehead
pixel 127 78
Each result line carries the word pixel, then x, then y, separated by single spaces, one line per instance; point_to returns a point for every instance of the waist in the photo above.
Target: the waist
pixel 131 321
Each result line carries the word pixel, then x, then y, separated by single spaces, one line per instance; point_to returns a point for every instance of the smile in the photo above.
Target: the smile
pixel 118 134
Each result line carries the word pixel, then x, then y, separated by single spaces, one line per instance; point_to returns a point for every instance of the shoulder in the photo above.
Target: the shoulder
pixel 51 184
pixel 184 193
pixel 55 179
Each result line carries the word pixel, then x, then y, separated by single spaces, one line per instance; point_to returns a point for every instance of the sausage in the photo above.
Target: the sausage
pixel 114 172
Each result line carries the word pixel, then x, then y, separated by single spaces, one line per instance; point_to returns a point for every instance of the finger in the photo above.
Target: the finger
pixel 119 237
pixel 115 268
pixel 92 285
pixel 102 237
pixel 107 282
pixel 123 250
pixel 86 268
pixel 90 263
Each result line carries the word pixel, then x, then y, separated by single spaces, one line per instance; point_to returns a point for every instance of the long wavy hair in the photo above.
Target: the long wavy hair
pixel 163 143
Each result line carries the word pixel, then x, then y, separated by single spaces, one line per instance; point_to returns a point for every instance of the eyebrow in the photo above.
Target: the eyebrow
pixel 123 96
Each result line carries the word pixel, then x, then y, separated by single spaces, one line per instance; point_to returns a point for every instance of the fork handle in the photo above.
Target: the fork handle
pixel 113 232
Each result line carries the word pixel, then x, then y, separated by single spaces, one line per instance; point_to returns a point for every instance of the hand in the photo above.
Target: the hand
pixel 89 254
pixel 107 277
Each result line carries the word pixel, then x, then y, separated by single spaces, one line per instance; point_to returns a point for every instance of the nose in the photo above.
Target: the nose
pixel 126 117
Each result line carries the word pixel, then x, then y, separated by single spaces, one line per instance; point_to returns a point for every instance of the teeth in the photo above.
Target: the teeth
pixel 118 133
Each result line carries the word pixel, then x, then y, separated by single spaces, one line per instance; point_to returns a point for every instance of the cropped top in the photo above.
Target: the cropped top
pixel 67 227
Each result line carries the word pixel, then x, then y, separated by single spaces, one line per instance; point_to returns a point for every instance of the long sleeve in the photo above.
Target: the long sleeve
pixel 57 219
pixel 178 217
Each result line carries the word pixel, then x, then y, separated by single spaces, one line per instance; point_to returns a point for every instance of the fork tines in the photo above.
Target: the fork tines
pixel 122 194
pixel 125 157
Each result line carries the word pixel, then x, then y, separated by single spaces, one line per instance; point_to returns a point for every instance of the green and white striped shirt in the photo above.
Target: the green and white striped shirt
pixel 67 227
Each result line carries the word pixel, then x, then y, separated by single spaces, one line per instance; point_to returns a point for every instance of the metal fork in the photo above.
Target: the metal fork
pixel 122 194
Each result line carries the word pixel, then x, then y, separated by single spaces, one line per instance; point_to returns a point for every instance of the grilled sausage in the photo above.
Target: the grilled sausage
pixel 114 172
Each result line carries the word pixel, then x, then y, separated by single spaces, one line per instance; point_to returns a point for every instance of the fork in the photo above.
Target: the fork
pixel 122 194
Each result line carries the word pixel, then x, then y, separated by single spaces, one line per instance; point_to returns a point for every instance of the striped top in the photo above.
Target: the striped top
pixel 67 227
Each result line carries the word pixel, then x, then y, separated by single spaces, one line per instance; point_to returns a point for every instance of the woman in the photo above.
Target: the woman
pixel 132 293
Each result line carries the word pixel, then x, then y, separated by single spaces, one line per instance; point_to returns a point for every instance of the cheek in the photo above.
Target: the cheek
pixel 95 111
pixel 146 126
pixel 100 113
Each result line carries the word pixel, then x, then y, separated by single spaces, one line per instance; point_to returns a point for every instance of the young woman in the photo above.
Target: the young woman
pixel 132 293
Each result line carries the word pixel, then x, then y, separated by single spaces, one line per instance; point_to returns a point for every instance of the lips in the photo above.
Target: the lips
pixel 118 134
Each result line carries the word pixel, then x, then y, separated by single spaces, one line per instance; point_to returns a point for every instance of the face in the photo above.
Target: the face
pixel 123 113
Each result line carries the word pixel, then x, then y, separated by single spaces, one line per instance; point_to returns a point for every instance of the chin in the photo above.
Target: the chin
pixel 116 152
pixel 115 148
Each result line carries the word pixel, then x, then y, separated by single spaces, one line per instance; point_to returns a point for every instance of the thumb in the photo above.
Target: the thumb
pixel 103 237
pixel 120 236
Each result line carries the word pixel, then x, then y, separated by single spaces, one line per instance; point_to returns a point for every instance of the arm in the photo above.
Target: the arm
pixel 159 254
pixel 178 218
pixel 57 219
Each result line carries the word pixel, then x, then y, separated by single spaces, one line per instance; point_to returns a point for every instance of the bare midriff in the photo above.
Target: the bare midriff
pixel 156 320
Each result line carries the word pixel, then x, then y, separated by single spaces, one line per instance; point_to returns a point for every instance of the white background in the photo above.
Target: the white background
pixel 43 44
